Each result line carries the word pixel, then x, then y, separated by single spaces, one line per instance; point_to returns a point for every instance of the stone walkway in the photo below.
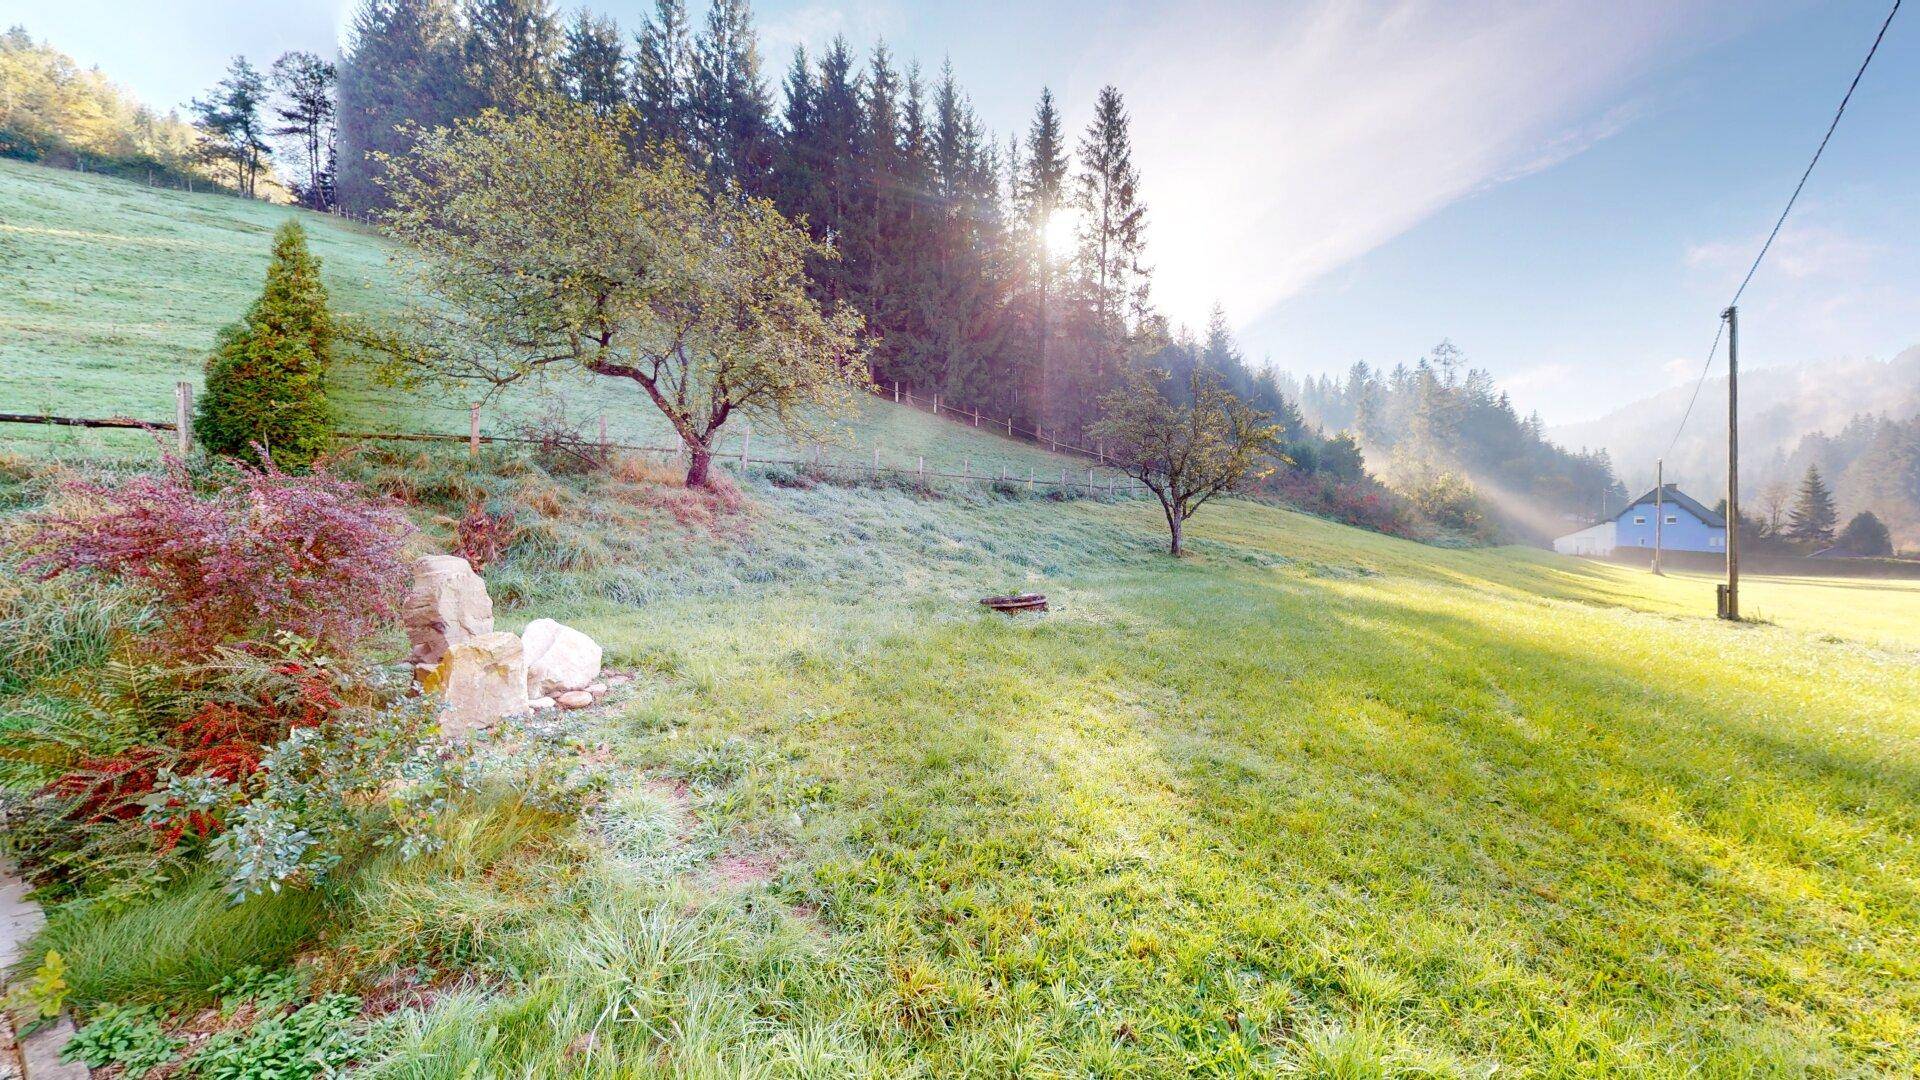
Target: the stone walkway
pixel 37 1057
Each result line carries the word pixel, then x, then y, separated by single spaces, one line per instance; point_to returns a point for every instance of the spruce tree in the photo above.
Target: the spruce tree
pixel 266 379
pixel 1814 515
pixel 592 64
pixel 663 78
pixel 1042 190
pixel 1112 225
pixel 510 50
pixel 732 112
pixel 399 64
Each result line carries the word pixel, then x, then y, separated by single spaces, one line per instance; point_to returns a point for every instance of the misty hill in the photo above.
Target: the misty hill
pixel 1779 406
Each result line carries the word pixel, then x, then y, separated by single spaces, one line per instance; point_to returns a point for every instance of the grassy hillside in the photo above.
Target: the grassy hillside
pixel 1313 799
pixel 110 292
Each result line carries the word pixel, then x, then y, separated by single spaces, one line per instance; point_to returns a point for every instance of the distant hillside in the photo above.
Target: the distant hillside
pixel 1778 407
pixel 111 290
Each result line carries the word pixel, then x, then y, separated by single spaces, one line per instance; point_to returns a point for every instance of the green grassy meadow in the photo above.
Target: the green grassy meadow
pixel 110 292
pixel 1312 801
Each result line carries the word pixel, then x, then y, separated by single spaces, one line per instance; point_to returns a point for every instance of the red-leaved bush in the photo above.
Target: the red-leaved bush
pixel 257 552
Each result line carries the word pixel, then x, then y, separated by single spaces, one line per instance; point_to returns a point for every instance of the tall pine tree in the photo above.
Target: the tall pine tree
pixel 731 111
pixel 1112 240
pixel 1814 515
pixel 1042 194
pixel 400 64
pixel 663 78
pixel 592 64
pixel 510 49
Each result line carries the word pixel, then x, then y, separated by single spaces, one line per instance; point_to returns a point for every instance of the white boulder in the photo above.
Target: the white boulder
pixel 447 605
pixel 559 658
pixel 483 679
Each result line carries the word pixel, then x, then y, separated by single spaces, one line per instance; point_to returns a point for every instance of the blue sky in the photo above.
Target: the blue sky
pixel 1567 190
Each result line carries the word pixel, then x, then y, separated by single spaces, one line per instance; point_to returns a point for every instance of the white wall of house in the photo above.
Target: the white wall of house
pixel 1593 540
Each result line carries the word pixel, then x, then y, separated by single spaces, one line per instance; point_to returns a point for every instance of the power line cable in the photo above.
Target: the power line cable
pixel 1781 221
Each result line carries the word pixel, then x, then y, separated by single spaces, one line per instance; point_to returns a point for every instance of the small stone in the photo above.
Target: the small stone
pixel 619 680
pixel 541 704
pixel 574 699
pixel 597 689
pixel 559 657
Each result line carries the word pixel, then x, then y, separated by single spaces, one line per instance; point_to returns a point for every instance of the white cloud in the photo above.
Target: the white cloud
pixel 1280 145
pixel 814 25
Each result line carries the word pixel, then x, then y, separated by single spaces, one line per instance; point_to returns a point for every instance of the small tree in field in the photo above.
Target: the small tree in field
pixel 542 246
pixel 1866 534
pixel 1185 454
pixel 266 378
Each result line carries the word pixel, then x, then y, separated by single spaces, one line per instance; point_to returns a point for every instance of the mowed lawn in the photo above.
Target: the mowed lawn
pixel 1311 800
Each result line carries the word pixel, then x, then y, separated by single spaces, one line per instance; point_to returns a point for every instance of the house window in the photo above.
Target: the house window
pixel 1673 519
pixel 1639 519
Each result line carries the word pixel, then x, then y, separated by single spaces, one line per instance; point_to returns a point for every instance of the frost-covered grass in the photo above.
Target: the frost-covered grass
pixel 1312 799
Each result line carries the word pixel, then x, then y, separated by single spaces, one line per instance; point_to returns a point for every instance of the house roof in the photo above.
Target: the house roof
pixel 1674 495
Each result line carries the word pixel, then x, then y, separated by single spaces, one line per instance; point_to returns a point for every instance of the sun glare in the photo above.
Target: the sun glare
pixel 1059 233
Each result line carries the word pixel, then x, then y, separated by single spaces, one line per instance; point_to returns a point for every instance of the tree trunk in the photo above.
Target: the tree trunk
pixel 697 465
pixel 1174 522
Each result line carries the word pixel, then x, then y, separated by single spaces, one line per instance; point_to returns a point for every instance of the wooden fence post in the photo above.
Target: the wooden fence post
pixel 1065 487
pixel 746 440
pixel 896 392
pixel 876 459
pixel 966 468
pixel 921 468
pixel 1009 426
pixel 976 416
pixel 1029 478
pixel 936 404
pixel 183 419
pixel 473 430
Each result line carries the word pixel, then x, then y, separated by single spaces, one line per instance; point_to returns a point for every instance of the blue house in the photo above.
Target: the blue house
pixel 1689 526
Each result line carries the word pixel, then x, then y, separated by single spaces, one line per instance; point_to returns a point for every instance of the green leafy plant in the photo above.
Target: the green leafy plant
pixel 317 1039
pixel 42 994
pixel 131 1037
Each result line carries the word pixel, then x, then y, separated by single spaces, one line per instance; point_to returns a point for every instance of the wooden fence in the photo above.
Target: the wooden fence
pixel 1098 479
pixel 1003 425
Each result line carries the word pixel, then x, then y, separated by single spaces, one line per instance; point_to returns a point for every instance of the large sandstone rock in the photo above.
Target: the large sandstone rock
pixel 559 658
pixel 482 678
pixel 447 605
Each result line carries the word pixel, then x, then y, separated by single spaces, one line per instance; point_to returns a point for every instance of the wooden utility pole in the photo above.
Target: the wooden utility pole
pixel 1732 607
pixel 1659 508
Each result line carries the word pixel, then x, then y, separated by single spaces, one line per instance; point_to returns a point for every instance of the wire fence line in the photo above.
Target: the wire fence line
pixel 1116 483
pixel 1004 425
